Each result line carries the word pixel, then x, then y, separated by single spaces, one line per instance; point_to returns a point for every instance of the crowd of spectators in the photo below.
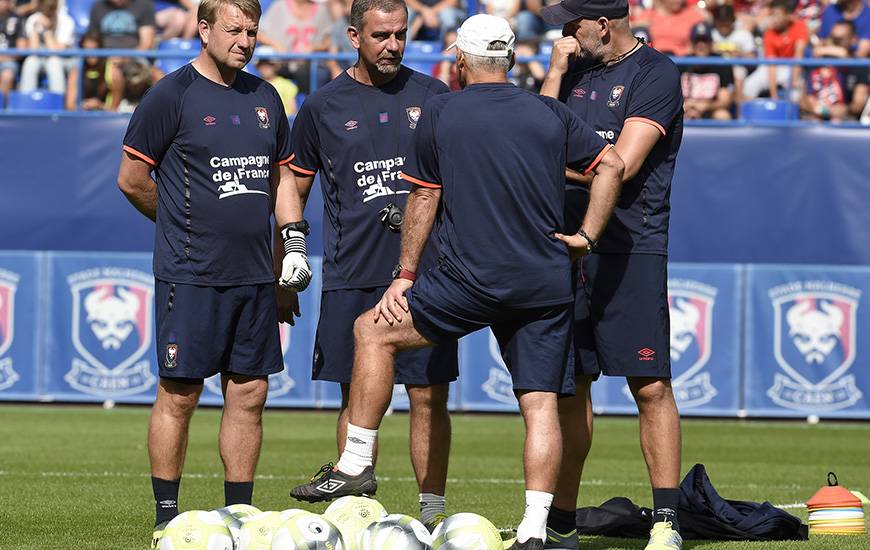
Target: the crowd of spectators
pixel 724 29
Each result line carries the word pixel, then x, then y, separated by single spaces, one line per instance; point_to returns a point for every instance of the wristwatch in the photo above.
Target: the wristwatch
pixel 301 226
pixel 400 272
pixel 589 242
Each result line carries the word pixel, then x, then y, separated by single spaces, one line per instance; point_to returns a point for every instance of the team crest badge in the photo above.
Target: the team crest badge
pixel 111 331
pixel 171 359
pixel 815 345
pixel 690 304
pixel 413 116
pixel 615 96
pixel 262 117
pixel 8 285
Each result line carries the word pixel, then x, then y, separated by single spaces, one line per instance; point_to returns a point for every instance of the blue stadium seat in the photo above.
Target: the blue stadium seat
pixel 422 46
pixel 80 11
pixel 769 110
pixel 167 65
pixel 264 5
pixel 38 100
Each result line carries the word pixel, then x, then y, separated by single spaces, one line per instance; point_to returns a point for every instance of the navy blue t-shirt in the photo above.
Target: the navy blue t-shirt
pixel 499 153
pixel 212 148
pixel 355 135
pixel 645 86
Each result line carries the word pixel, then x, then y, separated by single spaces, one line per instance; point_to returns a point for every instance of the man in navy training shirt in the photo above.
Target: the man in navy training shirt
pixel 354 131
pixel 630 94
pixel 218 142
pixel 493 157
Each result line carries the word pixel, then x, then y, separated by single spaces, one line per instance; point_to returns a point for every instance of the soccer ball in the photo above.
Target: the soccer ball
pixel 395 532
pixel 466 531
pixel 257 531
pixel 196 530
pixel 352 515
pixel 307 531
pixel 234 514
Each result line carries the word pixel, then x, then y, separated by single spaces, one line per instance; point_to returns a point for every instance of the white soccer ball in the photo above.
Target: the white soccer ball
pixel 395 532
pixel 352 514
pixel 307 531
pixel 258 530
pixel 466 531
pixel 196 530
pixel 233 516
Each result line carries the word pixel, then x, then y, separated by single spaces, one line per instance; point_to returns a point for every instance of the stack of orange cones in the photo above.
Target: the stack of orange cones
pixel 835 511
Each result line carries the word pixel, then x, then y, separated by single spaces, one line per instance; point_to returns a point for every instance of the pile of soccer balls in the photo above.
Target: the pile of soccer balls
pixel 350 523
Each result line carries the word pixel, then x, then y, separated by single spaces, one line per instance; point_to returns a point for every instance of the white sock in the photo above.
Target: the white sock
pixel 431 505
pixel 358 449
pixel 534 524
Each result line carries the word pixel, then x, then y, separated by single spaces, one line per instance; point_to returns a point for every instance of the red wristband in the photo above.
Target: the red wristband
pixel 407 274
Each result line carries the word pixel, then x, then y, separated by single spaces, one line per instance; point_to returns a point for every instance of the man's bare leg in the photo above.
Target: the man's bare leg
pixel 167 442
pixel 241 434
pixel 430 434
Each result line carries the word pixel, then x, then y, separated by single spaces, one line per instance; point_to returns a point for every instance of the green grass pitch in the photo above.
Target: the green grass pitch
pixel 77 477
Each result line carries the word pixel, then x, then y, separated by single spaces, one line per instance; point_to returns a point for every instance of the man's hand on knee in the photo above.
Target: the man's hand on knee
pixel 393 304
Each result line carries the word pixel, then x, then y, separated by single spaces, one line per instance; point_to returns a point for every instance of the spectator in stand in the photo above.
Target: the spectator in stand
pixel 286 88
pixel 11 36
pixel 856 11
pixel 527 75
pixel 122 24
pixel 751 15
pixel 708 90
pixel 178 19
pixel 506 9
pixel 436 16
pixel 836 94
pixel 786 37
pixel 138 77
pixel 731 41
pixel 670 23
pixel 339 42
pixel 23 8
pixel 529 25
pixel 810 12
pixel 445 71
pixel 296 26
pixel 51 29
pixel 90 78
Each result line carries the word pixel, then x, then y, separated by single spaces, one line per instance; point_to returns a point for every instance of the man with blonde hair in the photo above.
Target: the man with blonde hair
pixel 218 142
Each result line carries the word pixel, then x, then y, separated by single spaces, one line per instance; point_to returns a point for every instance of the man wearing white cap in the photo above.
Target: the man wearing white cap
pixel 492 158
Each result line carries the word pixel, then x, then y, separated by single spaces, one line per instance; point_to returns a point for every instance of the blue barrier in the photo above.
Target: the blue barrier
pixel 785 341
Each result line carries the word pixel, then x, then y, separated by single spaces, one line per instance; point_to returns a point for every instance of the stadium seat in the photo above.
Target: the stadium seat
pixel 166 64
pixel 424 47
pixel 769 110
pixel 80 11
pixel 38 100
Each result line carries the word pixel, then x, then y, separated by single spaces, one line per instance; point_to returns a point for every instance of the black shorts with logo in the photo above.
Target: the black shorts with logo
pixel 621 320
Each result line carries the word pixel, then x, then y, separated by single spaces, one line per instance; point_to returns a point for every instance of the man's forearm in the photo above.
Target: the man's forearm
pixel 603 194
pixel 419 219
pixel 144 198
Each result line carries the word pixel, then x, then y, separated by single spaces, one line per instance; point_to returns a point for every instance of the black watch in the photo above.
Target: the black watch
pixel 397 270
pixel 301 226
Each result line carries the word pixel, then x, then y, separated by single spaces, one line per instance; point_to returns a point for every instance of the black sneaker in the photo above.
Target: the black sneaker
pixel 531 544
pixel 328 483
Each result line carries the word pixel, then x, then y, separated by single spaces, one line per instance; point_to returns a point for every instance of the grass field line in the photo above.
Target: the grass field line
pixel 481 481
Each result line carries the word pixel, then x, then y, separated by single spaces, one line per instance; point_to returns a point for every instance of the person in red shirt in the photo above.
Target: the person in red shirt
pixel 786 37
pixel 670 23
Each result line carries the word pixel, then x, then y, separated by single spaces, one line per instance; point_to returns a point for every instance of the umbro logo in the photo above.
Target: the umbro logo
pixel 351 125
pixel 356 440
pixel 331 486
pixel 646 354
pixel 209 120
pixel 168 504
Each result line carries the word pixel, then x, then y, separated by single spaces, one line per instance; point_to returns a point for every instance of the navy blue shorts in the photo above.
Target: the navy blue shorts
pixel 333 345
pixel 534 342
pixel 205 330
pixel 621 320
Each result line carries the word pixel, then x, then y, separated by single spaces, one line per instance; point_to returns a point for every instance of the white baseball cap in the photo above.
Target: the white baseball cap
pixel 479 31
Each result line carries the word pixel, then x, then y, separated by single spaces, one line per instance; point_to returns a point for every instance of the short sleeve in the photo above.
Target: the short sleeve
pixel 585 147
pixel 145 14
pixel 801 31
pixel 282 132
pixel 305 141
pixel 421 161
pixel 154 124
pixel 656 97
